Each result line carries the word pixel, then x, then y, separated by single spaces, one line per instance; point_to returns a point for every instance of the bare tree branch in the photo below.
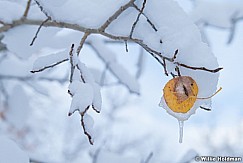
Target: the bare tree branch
pixel 86 34
pixel 95 155
pixel 38 30
pixel 199 68
pixel 175 55
pixel 147 160
pixel 148 20
pixel 137 19
pixel 116 14
pixel 102 78
pixel 50 66
pixel 165 69
pixel 140 63
pixel 71 63
pixel 83 125
pixel 27 9
pixel 126 45
pixel 42 9
pixel 204 108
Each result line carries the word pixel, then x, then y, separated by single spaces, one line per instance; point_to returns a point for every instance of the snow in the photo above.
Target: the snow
pixel 14 66
pixel 82 96
pixel 97 100
pixel 124 77
pixel 10 11
pixel 105 53
pixel 87 75
pixel 89 124
pixel 107 156
pixel 38 87
pixel 82 12
pixel 45 61
pixel 18 40
pixel 224 11
pixel 10 152
pixel 189 156
pixel 19 107
pixel 117 69
pixel 76 75
pixel 179 116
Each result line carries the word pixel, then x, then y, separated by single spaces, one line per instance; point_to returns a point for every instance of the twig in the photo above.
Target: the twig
pixel 38 30
pixel 32 160
pixel 140 63
pixel 116 14
pixel 164 65
pixel 42 10
pixel 71 62
pixel 175 55
pixel 173 75
pixel 199 68
pixel 148 20
pixel 178 71
pixel 50 66
pixel 83 125
pixel 137 19
pixel 126 45
pixel 81 76
pixel 207 109
pixel 96 154
pixel 86 34
pixel 148 158
pixel 95 109
pixel 232 32
pixel 27 9
pixel 102 78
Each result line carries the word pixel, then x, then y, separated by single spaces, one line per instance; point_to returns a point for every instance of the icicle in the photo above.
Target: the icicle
pixel 181 124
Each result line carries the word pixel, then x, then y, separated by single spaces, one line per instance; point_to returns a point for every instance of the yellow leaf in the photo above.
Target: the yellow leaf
pixel 180 94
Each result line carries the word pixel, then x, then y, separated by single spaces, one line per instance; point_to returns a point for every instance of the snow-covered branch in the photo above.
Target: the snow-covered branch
pixel 101 30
